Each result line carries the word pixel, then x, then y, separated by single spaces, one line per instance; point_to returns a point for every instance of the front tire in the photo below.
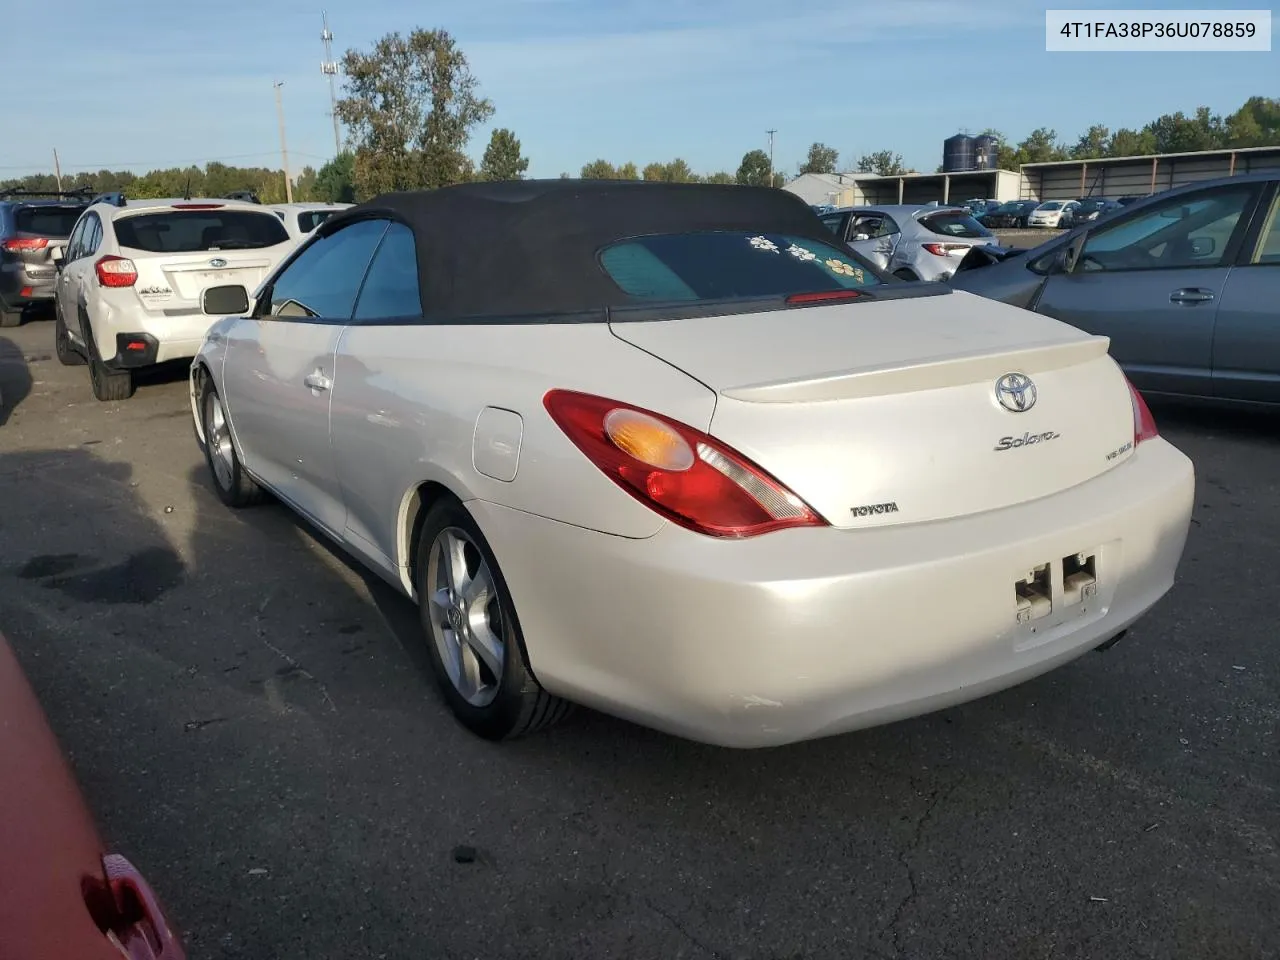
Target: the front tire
pixel 107 384
pixel 474 640
pixel 234 487
pixel 67 353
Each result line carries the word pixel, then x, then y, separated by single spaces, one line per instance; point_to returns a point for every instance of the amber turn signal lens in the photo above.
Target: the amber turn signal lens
pixel 648 440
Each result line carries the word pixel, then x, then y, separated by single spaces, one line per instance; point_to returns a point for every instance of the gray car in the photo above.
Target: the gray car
pixel 32 224
pixel 1185 283
pixel 912 242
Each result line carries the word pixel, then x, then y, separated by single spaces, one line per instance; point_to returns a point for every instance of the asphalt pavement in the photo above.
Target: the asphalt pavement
pixel 251 719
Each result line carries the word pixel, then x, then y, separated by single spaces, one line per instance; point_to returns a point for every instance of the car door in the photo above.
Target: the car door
pixel 66 292
pixel 368 422
pixel 874 236
pixel 279 370
pixel 1246 337
pixel 1151 281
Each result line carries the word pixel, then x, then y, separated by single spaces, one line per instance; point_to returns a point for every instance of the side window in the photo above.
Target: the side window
pixel 324 279
pixel 1268 250
pixel 1188 231
pixel 391 286
pixel 75 241
pixel 92 234
pixel 833 223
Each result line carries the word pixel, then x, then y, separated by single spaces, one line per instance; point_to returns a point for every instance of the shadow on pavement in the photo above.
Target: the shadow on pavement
pixel 15 378
pixel 251 715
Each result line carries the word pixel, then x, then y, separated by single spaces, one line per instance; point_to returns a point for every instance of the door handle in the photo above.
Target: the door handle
pixel 317 381
pixel 1191 295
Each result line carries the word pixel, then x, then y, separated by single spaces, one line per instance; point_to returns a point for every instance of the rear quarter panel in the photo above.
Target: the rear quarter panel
pixel 406 401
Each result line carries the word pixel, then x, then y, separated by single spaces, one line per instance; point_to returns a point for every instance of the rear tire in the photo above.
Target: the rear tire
pixel 465 608
pixel 234 487
pixel 67 353
pixel 107 384
pixel 11 318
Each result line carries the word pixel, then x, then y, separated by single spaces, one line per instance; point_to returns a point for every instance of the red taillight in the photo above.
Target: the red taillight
pixel 681 473
pixel 198 206
pixel 1144 424
pixel 823 296
pixel 20 244
pixel 944 249
pixel 115 271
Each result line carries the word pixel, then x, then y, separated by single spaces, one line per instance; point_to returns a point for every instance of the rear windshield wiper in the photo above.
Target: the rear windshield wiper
pixel 237 245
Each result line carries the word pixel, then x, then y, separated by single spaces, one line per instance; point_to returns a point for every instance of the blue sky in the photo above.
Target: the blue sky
pixel 174 83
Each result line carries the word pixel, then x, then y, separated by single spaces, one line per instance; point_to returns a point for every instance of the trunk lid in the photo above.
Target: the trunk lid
pixel 175 281
pixel 884 413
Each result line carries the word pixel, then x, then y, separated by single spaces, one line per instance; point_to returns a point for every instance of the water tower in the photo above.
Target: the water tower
pixel 958 153
pixel 986 149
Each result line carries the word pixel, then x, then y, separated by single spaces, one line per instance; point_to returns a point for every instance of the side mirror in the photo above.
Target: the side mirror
pixel 1203 246
pixel 231 300
pixel 58 255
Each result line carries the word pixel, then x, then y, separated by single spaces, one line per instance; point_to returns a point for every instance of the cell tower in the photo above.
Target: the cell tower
pixel 329 67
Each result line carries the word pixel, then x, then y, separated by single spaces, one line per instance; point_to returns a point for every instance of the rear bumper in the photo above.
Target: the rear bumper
pixel 170 337
pixel 807 633
pixel 19 288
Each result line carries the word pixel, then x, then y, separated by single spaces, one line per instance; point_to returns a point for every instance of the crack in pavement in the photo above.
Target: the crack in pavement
pixel 679 927
pixel 293 663
pixel 936 799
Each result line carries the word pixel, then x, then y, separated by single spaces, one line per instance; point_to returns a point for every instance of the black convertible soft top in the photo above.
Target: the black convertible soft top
pixel 531 246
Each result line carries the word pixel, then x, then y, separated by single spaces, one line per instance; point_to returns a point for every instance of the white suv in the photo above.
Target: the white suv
pixel 300 219
pixel 132 272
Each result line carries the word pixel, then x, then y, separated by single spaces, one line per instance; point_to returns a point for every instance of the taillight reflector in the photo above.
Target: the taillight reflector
pixel 1144 424
pixel 823 296
pixel 19 244
pixel 115 271
pixel 677 471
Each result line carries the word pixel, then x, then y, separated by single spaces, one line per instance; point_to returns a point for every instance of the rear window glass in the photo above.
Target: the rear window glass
pixel 195 231
pixel 954 224
pixel 724 265
pixel 308 220
pixel 47 221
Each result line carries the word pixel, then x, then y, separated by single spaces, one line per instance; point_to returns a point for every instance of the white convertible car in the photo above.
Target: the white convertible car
pixel 664 450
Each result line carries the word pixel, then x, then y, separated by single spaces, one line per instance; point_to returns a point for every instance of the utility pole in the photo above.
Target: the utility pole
pixel 329 67
pixel 284 150
pixel 771 133
pixel 57 169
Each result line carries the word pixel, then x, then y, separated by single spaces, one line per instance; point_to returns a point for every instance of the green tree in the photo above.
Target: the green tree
pixel 627 171
pixel 598 170
pixel 410 106
pixel 502 159
pixel 723 176
pixel 304 186
pixel 1093 143
pixel 1255 124
pixel 1178 133
pixel 335 181
pixel 1041 146
pixel 754 169
pixel 1131 143
pixel 886 163
pixel 821 159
